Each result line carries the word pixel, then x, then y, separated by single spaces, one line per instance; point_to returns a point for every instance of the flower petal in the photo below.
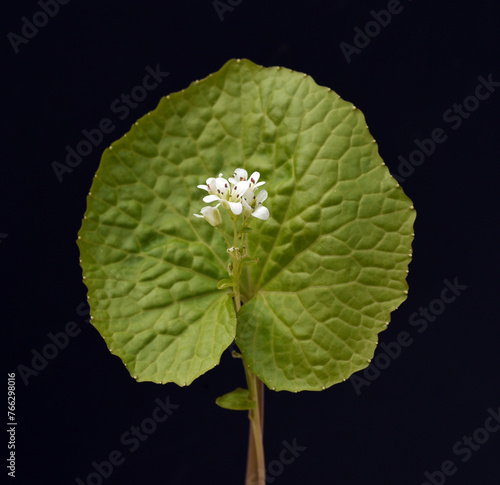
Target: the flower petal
pixel 249 197
pixel 254 178
pixel 222 187
pixel 204 187
pixel 261 212
pixel 210 198
pixel 239 189
pixel 261 197
pixel 236 208
pixel 247 210
pixel 240 174
pixel 212 189
pixel 198 215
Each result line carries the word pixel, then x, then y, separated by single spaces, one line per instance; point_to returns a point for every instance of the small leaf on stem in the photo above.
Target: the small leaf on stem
pixel 237 400
pixel 225 283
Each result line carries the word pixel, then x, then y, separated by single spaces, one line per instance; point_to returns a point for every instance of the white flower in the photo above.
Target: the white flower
pixel 220 190
pixel 237 194
pixel 252 204
pixel 240 174
pixel 211 214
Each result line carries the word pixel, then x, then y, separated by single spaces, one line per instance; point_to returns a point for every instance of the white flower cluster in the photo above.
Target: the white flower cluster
pixel 239 194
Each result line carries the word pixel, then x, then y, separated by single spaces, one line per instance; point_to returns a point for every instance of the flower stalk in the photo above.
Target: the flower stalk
pixel 255 474
pixel 243 201
pixel 256 468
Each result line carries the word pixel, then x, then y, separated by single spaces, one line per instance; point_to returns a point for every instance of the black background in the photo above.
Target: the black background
pixel 408 419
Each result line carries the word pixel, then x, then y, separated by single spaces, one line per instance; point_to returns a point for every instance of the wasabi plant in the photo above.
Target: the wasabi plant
pixel 302 276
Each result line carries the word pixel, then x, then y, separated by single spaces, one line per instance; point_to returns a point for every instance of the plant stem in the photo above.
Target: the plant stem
pixel 256 468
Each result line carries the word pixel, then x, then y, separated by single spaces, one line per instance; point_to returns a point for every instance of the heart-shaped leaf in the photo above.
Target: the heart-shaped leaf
pixel 331 260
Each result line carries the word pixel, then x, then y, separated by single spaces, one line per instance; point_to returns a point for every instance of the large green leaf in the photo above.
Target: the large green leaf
pixel 333 255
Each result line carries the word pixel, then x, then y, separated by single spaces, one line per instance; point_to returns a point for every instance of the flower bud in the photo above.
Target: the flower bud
pixel 212 215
